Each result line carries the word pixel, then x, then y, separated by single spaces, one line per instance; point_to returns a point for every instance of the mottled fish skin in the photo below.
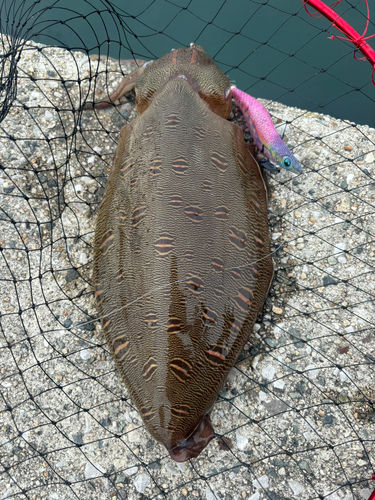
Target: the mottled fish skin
pixel 182 236
pixel 264 132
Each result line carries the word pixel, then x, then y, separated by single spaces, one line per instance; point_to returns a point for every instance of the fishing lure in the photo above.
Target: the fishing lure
pixel 264 133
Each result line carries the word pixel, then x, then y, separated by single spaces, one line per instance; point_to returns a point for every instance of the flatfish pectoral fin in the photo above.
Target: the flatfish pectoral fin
pixel 126 85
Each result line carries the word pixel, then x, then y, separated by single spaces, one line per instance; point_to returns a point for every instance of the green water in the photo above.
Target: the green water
pixel 271 49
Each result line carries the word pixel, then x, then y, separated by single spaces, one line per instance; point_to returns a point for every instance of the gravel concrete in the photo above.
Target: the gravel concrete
pixel 296 414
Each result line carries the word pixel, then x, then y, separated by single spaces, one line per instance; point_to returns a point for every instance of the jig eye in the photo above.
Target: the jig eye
pixel 287 161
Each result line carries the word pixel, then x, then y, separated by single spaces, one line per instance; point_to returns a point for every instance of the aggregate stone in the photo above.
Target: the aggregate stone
pixel 365 493
pixel 181 466
pixel 131 471
pixel 276 406
pixel 304 465
pixel 142 482
pixel 272 473
pixel 370 158
pixel 78 438
pixel 85 325
pixel 271 342
pixel 255 496
pixel 344 377
pixel 309 436
pixel 283 424
pixel 295 395
pixel 332 496
pixel 328 280
pixel 7 494
pixel 261 482
pixel 83 259
pixel 262 396
pixel 279 384
pixel 169 467
pixel 312 371
pixel 93 470
pixel 327 420
pixel 71 275
pixel 296 487
pixel 85 354
pixel 269 372
pixel 241 441
pixel 210 495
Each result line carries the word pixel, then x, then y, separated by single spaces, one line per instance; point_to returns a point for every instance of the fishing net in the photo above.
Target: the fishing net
pixel 296 417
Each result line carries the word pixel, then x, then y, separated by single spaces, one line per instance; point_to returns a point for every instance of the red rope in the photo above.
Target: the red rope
pixel 372 496
pixel 315 16
pixel 352 35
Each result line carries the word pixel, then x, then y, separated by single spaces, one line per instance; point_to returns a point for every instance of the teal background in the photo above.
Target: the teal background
pixel 271 49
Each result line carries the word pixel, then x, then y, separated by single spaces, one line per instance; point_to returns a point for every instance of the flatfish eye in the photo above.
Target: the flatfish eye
pixel 287 161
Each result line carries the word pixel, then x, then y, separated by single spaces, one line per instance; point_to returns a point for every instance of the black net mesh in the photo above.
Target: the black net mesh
pixel 296 417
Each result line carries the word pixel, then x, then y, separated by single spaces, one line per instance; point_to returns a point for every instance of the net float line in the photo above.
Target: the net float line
pixel 352 35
